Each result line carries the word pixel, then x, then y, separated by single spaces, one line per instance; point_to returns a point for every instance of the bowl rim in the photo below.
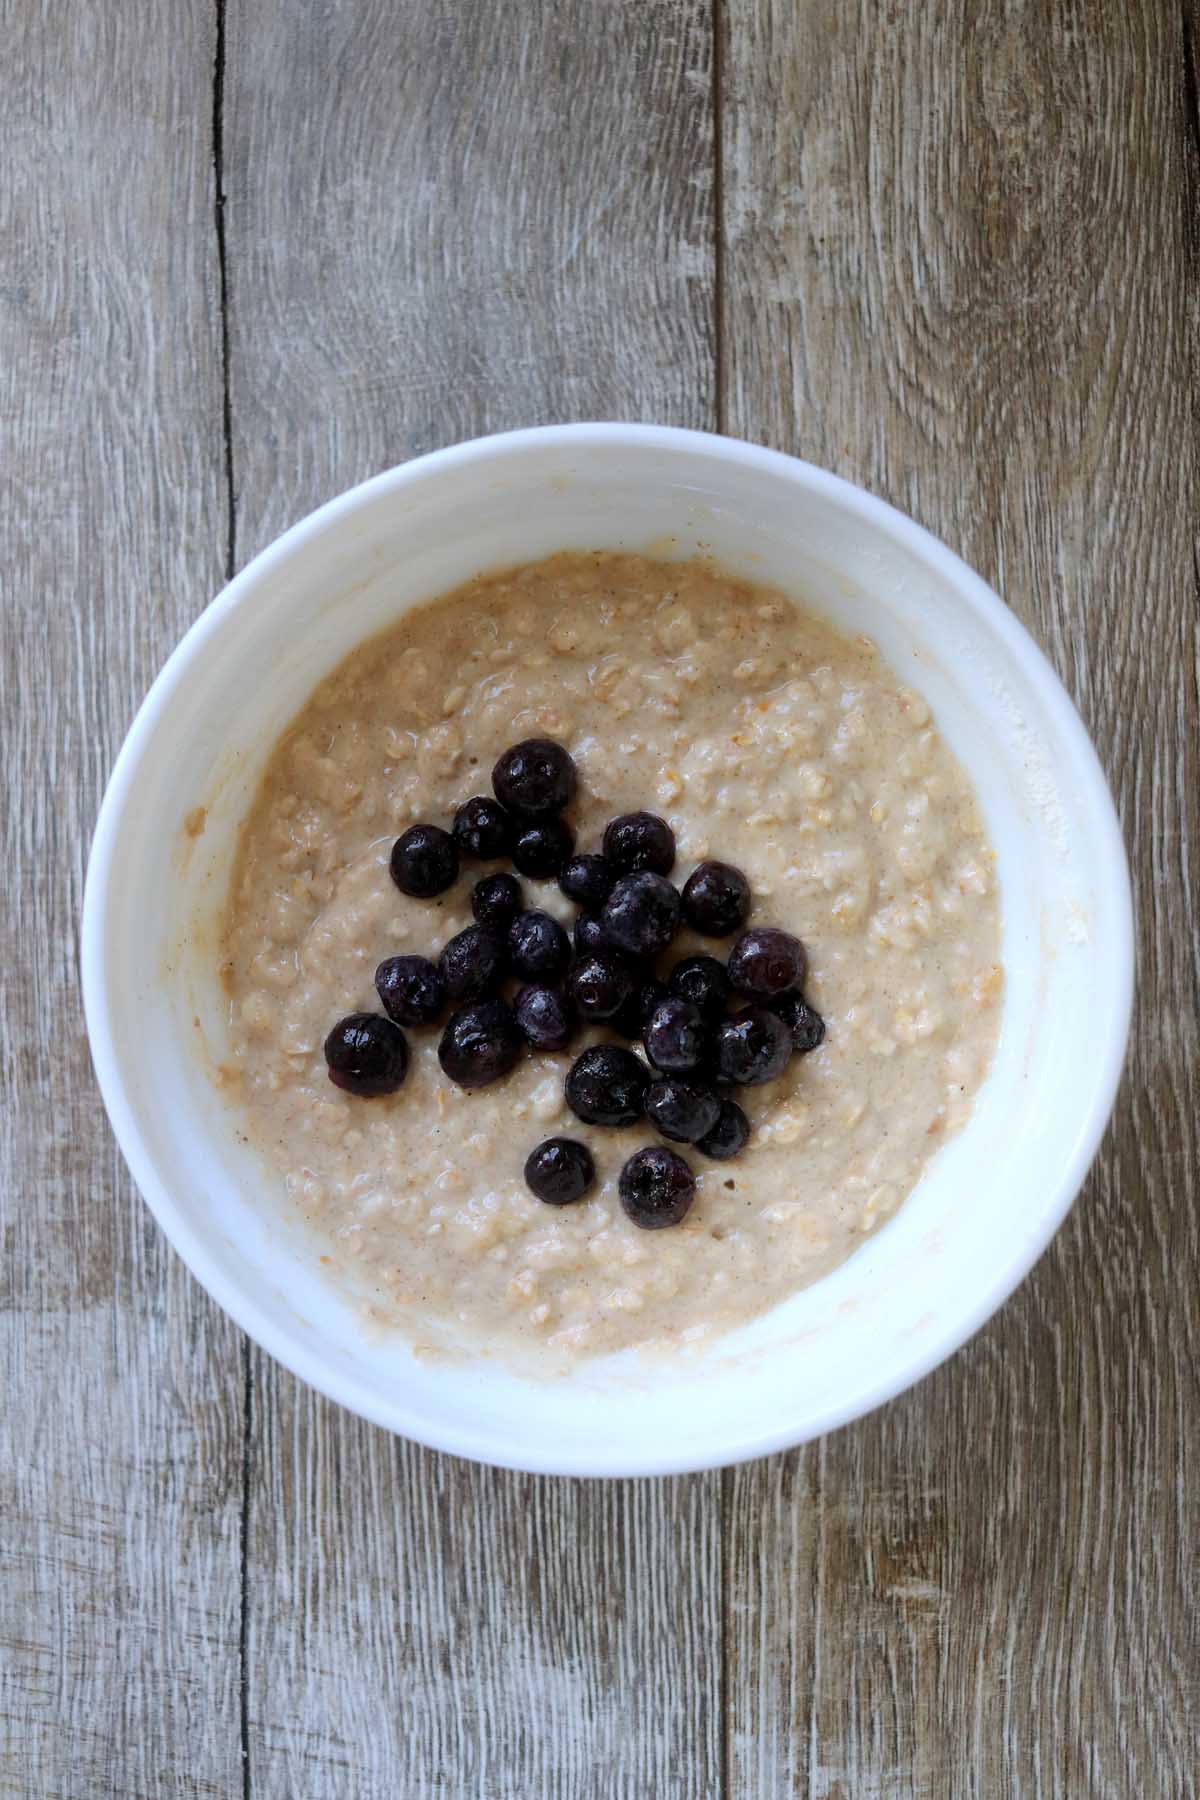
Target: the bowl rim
pixel 728 1447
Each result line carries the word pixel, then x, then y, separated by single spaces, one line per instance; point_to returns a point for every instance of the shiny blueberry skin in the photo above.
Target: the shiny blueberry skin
pixel 424 861
pixel 703 981
pixel 600 985
pixel 716 899
pixel 482 828
pixel 677 1037
pixel 545 1016
pixel 411 990
pixel 534 778
pixel 560 1171
pixel 607 1086
pixel 542 847
pixel 473 963
pixel 496 900
pixel 647 994
pixel 728 1136
pixel 682 1110
pixel 366 1055
pixel 538 947
pixel 752 1047
pixel 590 936
pixel 656 1188
pixel 641 915
pixel 587 879
pixel 802 1020
pixel 766 962
pixel 480 1044
pixel 640 840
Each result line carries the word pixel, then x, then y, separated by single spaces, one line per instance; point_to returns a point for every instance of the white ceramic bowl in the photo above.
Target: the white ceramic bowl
pixel 992 1197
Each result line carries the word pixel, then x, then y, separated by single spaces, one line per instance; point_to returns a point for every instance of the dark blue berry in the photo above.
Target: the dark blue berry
pixel 640 840
pixel 641 915
pixel 542 848
pixel 753 1046
pixel 545 1016
pixel 683 1110
pixel 496 900
pixel 607 1086
pixel 534 778
pixel 677 1037
pixel 587 879
pixel 560 1171
pixel 716 899
pixel 600 985
pixel 424 861
pixel 482 828
pixel 656 1188
pixel 538 947
pixel 728 1136
pixel 765 962
pixel 590 936
pixel 367 1055
pixel 703 981
pixel 802 1020
pixel 411 989
pixel 633 1017
pixel 480 1044
pixel 472 964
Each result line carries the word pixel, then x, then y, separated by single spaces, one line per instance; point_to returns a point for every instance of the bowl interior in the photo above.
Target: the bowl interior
pixel 992 1196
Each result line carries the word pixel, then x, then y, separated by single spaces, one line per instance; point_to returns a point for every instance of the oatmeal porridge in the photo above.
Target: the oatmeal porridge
pixel 768 741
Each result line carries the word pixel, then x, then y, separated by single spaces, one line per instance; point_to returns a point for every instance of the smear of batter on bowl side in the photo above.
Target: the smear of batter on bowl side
pixel 769 741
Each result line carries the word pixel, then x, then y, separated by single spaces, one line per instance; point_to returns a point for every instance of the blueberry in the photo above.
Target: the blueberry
pixel 640 840
pixel 411 989
pixel 587 879
pixel 542 848
pixel 657 1188
pixel 534 778
pixel 677 1037
pixel 482 828
pixel 538 947
pixel 480 1044
pixel 472 964
pixel 424 861
pixel 641 915
pixel 716 899
pixel 728 1136
pixel 367 1055
pixel 766 962
pixel 600 985
pixel 802 1020
pixel 545 1016
pixel 607 1086
pixel 590 936
pixel 559 1171
pixel 753 1046
pixel 703 981
pixel 632 1019
pixel 683 1110
pixel 496 900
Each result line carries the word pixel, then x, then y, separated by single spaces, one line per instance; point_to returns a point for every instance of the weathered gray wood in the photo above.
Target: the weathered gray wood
pixel 442 221
pixel 961 268
pixel 121 1426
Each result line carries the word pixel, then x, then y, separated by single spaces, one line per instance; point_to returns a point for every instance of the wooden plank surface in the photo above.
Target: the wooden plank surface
pixel 445 221
pixel 961 268
pixel 121 1427
pixel 958 262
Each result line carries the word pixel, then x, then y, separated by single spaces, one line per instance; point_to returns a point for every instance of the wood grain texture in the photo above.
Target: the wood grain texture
pixel 443 221
pixel 961 268
pixel 121 1428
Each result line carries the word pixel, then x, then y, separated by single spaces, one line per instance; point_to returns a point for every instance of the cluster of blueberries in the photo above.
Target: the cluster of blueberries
pixel 629 913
